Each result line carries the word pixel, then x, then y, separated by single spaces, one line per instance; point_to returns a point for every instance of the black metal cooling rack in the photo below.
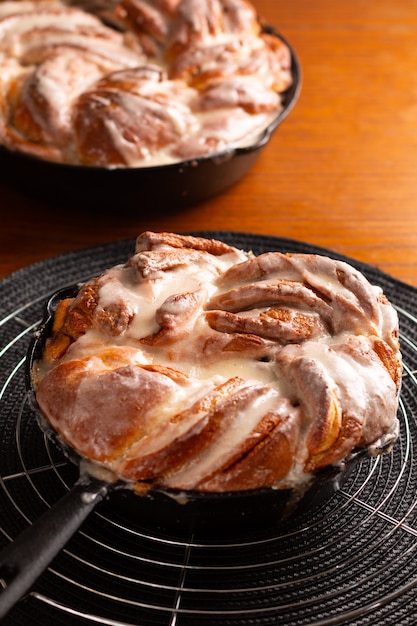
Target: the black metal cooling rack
pixel 353 560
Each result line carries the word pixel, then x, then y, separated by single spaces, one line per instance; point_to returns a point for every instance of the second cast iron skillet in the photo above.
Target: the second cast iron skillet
pixel 23 561
pixel 138 189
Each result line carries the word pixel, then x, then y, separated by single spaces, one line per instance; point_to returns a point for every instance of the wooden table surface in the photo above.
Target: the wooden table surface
pixel 340 172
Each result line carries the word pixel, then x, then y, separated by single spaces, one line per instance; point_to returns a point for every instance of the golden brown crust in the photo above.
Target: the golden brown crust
pixel 150 240
pixel 275 323
pixel 390 360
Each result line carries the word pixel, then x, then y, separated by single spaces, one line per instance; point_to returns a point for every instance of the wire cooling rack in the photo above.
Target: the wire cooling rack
pixel 352 560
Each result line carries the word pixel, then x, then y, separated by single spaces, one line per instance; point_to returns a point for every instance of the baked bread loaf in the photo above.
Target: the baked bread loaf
pixel 197 366
pixel 136 83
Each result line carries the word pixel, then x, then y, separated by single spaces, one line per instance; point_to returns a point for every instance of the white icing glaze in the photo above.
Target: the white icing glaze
pixel 225 444
pixel 145 298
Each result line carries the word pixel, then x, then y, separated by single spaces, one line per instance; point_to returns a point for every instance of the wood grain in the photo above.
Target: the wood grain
pixel 340 172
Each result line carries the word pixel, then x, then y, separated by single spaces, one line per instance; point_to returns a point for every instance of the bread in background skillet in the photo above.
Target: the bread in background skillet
pixel 136 83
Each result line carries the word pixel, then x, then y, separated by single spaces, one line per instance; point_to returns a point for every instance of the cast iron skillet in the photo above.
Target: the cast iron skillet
pixel 147 189
pixel 24 560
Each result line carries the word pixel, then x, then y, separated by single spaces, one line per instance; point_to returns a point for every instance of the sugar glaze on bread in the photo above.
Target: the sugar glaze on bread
pixel 198 366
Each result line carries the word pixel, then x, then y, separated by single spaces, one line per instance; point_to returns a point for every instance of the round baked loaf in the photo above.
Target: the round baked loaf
pixel 197 366
pixel 136 83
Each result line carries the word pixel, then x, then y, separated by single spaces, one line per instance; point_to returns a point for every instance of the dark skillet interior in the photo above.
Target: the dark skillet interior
pixel 136 189
pixel 208 513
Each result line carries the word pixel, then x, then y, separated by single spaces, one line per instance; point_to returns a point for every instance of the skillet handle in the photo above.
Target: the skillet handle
pixel 24 560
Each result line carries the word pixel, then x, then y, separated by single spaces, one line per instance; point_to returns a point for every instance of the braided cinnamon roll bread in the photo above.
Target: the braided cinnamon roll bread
pixel 197 366
pixel 134 83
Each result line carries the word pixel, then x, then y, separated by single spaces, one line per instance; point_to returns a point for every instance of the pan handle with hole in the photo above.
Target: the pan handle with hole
pixel 25 559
